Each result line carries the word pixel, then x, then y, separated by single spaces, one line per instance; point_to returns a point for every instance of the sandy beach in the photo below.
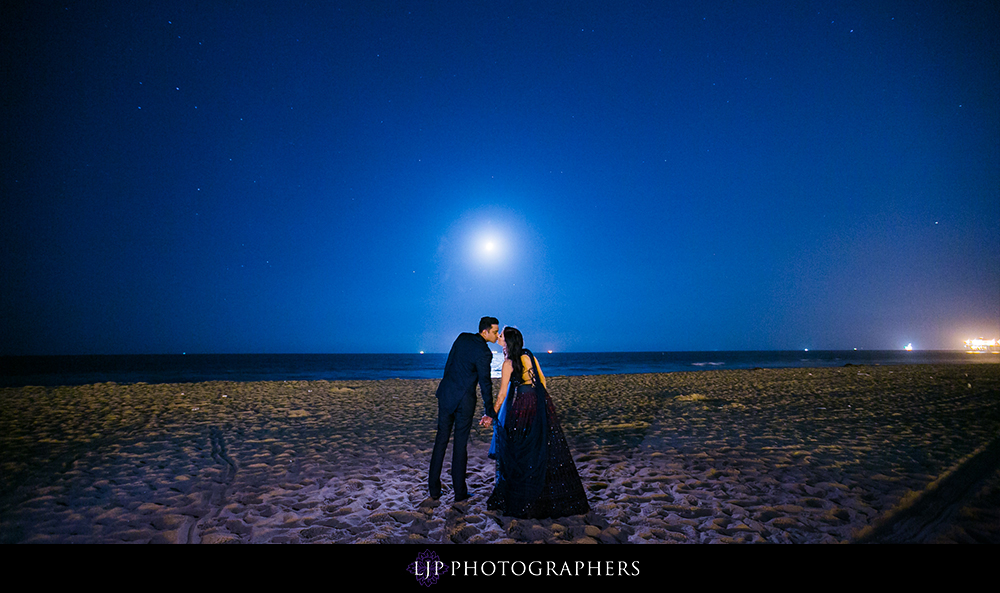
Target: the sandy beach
pixel 769 455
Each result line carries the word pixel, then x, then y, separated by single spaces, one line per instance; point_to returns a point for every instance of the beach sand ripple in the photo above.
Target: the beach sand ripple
pixel 749 456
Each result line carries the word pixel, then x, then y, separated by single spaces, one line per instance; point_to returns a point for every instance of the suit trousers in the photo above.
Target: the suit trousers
pixel 461 420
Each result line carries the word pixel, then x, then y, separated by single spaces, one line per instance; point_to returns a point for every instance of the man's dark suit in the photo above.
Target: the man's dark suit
pixel 468 362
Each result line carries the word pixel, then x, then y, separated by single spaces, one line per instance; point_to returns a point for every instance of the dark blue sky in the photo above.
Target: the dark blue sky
pixel 325 176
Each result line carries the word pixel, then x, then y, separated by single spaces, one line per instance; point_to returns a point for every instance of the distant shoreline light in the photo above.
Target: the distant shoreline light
pixel 982 345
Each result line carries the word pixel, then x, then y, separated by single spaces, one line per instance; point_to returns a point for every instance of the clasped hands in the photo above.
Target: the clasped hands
pixel 486 421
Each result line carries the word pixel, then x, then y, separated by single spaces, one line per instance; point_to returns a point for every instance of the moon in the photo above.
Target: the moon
pixel 489 249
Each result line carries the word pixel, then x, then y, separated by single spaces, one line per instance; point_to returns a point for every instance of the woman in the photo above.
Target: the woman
pixel 536 476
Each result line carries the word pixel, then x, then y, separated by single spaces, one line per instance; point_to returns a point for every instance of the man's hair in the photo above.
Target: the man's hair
pixel 488 322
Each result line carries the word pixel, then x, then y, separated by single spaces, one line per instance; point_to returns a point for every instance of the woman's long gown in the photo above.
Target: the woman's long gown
pixel 536 476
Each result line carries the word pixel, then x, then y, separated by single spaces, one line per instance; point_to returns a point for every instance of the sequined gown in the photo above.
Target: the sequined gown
pixel 536 476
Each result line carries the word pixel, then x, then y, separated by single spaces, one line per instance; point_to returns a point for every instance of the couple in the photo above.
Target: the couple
pixel 536 476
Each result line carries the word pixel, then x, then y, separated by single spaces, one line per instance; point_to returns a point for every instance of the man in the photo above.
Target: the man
pixel 468 362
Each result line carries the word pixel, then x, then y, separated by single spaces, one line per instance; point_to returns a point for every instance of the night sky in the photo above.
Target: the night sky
pixel 282 177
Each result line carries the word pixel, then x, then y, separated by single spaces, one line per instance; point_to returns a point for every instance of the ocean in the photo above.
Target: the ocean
pixel 16 371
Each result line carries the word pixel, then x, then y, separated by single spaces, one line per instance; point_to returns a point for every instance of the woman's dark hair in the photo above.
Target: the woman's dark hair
pixel 515 348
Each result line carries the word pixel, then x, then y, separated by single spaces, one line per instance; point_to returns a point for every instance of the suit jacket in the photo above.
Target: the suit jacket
pixel 468 362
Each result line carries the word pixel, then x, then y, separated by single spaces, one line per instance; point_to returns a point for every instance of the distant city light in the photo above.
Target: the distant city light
pixel 982 345
pixel 908 347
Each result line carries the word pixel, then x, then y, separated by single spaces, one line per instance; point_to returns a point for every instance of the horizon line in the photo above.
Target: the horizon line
pixel 419 353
